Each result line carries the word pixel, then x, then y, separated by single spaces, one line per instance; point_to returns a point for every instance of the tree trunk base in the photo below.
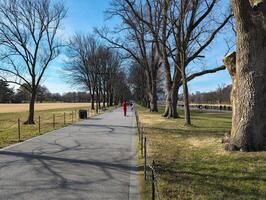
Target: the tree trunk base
pixel 29 122
pixel 166 115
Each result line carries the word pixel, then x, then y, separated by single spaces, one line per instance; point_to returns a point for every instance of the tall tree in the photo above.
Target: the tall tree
pixel 6 93
pixel 248 124
pixel 180 32
pixel 28 42
pixel 138 84
pixel 93 67
pixel 137 45
pixel 191 36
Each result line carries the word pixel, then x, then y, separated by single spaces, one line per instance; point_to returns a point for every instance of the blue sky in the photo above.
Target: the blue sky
pixel 84 15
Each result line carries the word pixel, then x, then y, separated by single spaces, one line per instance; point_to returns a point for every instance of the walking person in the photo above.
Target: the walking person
pixel 124 105
pixel 132 106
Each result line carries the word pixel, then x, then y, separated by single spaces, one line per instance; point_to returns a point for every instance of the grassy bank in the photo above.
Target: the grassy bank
pixel 192 164
pixel 9 123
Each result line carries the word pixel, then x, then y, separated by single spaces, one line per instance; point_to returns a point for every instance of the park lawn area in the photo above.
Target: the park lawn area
pixel 191 162
pixel 9 123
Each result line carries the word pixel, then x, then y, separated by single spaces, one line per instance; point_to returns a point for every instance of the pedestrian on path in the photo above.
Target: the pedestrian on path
pixel 132 106
pixel 124 105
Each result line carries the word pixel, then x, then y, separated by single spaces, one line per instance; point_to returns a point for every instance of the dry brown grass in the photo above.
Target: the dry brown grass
pixel 191 163
pixel 11 108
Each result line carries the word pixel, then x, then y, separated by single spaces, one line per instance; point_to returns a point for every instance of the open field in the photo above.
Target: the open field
pixel 9 108
pixel 192 164
pixel 9 122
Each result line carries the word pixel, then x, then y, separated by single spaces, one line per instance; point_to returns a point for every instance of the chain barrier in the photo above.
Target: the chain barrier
pixel 143 143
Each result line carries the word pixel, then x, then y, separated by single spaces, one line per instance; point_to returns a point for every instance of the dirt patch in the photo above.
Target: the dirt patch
pixel 10 108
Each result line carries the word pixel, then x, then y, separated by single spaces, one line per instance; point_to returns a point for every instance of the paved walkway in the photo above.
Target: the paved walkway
pixel 93 159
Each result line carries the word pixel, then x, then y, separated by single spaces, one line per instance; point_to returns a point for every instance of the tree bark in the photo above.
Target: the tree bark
pixel 172 95
pixel 111 97
pixel 185 92
pixel 249 128
pixel 93 101
pixel 186 102
pixel 171 104
pixel 31 108
pixel 153 97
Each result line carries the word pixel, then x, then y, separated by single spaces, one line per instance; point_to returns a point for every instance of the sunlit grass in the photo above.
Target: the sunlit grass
pixel 191 161
pixel 9 123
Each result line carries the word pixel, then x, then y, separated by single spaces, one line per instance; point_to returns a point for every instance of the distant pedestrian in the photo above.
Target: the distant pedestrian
pixel 124 105
pixel 132 106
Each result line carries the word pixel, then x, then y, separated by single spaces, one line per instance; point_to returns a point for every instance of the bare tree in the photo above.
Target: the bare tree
pixel 137 44
pixel 77 68
pixel 182 33
pixel 248 70
pixel 28 30
pixel 92 67
pixel 194 28
pixel 138 83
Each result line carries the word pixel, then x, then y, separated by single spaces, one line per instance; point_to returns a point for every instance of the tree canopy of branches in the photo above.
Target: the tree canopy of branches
pixel 134 39
pixel 6 93
pixel 95 68
pixel 28 42
pixel 138 83
pixel 182 31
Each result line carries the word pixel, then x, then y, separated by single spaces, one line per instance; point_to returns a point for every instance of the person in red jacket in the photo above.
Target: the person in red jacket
pixel 124 105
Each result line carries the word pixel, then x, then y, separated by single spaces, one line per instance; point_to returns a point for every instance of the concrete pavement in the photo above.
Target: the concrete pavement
pixel 93 159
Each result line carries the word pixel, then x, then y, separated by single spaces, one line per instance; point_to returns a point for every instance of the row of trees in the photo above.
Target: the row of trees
pixel 167 36
pixel 97 69
pixel 21 95
pixel 220 96
pixel 174 35
pixel 29 43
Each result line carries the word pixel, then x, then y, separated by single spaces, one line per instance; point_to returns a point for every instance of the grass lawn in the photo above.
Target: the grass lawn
pixel 192 164
pixel 9 123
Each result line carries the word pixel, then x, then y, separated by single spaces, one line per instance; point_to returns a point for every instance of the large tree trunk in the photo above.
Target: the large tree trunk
pixel 153 97
pixel 172 96
pixel 93 101
pixel 249 128
pixel 31 108
pixel 186 99
pixel 171 104
pixel 104 99
pixel 111 97
pixel 108 96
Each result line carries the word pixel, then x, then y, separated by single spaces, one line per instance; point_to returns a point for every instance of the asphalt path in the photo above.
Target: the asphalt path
pixel 92 159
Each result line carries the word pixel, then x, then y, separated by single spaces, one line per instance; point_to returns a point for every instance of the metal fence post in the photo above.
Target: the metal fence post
pixel 64 118
pixel 19 130
pixel 153 180
pixel 145 158
pixel 39 124
pixel 72 117
pixel 141 142
pixel 139 132
pixel 54 121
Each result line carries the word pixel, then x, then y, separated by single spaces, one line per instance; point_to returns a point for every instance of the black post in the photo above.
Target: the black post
pixel 139 132
pixel 145 158
pixel 39 124
pixel 142 142
pixel 54 121
pixel 75 115
pixel 19 139
pixel 72 117
pixel 153 180
pixel 64 118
